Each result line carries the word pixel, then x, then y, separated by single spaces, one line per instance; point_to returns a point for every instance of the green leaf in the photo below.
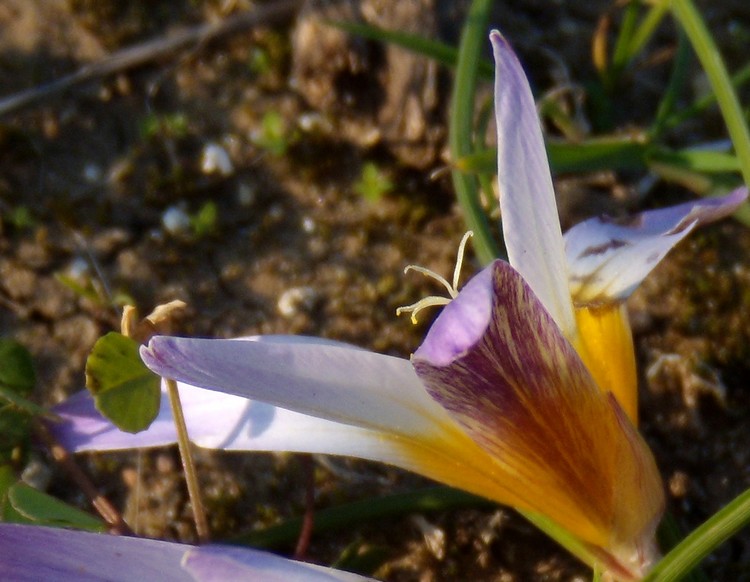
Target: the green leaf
pixel 707 161
pixel 20 402
pixel 273 135
pixel 16 368
pixel 21 503
pixel 15 427
pixel 24 504
pixel 372 183
pixel 205 220
pixel 431 499
pixel 124 390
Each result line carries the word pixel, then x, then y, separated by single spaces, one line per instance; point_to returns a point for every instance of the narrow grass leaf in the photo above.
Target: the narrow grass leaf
pixel 461 128
pixel 350 514
pixel 703 540
pixel 708 54
pixel 592 155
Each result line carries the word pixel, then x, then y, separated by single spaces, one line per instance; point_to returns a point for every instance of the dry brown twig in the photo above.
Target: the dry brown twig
pixel 145 52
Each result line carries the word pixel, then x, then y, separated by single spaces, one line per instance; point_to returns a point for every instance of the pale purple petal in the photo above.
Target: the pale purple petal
pixel 216 421
pixel 334 382
pixel 32 553
pixel 221 564
pixel 608 259
pixel 390 416
pixel 462 322
pixel 527 200
pixel 81 427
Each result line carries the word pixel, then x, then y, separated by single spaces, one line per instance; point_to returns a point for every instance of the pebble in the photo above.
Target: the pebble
pixel 293 300
pixel 175 220
pixel 216 160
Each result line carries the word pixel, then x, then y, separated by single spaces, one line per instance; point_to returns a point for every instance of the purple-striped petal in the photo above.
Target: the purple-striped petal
pixel 401 424
pixel 521 391
pixel 32 553
pixel 608 259
pixel 531 226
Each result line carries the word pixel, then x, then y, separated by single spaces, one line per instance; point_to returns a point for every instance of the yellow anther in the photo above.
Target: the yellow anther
pixel 434 300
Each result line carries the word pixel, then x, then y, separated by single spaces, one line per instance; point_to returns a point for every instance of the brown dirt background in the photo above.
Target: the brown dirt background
pixel 95 186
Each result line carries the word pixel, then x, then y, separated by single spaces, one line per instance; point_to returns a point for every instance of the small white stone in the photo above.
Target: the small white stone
pixel 293 300
pixel 434 536
pixel 313 121
pixel 92 173
pixel 308 225
pixel 215 160
pixel 175 220
pixel 78 268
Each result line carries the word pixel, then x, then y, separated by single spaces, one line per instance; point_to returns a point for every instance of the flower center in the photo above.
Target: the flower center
pixel 452 288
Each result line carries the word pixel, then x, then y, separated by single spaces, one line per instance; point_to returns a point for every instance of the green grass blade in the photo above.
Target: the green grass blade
pixel 708 54
pixel 677 81
pixel 461 128
pixel 669 536
pixel 350 514
pixel 591 155
pixel 703 540
pixel 704 161
pixel 621 55
pixel 562 537
pixel 739 79
pixel 436 50
pixel 646 28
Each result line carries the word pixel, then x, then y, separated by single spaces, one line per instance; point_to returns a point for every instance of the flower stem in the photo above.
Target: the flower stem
pixel 191 477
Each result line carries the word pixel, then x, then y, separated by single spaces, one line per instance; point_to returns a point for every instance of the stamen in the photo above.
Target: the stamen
pixel 414 308
pixel 434 300
pixel 460 259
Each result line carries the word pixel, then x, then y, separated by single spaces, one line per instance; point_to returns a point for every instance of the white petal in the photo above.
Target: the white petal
pixel 607 260
pixel 527 200
pixel 390 418
pixel 335 382
pixel 222 421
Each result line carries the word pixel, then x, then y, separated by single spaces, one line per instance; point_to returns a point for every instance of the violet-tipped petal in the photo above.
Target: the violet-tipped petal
pixel 608 259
